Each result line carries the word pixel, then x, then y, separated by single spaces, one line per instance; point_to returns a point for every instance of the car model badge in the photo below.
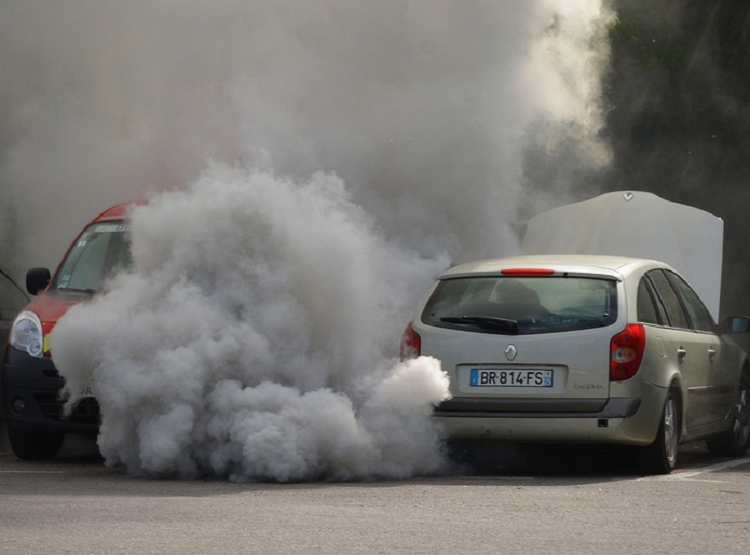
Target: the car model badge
pixel 511 352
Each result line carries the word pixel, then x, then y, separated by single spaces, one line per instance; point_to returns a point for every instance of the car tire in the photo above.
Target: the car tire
pixel 35 446
pixel 734 441
pixel 661 456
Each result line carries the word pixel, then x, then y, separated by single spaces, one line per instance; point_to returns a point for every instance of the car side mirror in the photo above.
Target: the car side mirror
pixel 37 279
pixel 736 324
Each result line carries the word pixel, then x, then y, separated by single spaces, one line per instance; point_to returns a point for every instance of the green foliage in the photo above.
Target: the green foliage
pixel 650 49
pixel 678 92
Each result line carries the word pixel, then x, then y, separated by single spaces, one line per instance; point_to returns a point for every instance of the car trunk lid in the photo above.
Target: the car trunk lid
pixel 527 373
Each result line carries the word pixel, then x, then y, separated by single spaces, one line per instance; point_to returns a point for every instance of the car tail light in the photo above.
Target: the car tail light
pixel 411 343
pixel 626 352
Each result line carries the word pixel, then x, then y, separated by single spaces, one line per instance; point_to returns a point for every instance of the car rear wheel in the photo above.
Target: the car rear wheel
pixel 661 456
pixel 35 446
pixel 734 442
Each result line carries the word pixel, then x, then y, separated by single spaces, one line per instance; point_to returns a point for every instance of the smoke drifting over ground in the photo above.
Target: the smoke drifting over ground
pixel 322 161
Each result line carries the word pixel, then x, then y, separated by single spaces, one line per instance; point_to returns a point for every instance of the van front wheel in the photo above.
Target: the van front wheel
pixel 35 446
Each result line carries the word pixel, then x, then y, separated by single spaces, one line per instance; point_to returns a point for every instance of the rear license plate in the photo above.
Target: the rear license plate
pixel 510 378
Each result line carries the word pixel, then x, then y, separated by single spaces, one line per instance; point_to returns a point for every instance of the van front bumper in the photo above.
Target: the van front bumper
pixel 30 390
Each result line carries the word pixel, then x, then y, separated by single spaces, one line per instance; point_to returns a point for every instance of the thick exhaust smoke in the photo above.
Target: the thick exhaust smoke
pixel 249 341
pixel 310 167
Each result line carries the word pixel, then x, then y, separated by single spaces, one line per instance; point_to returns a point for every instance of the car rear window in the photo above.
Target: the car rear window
pixel 522 305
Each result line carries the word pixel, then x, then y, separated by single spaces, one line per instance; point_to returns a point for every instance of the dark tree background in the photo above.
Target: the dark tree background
pixel 678 120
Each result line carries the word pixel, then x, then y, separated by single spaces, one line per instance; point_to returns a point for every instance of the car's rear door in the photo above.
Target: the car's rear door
pixel 719 375
pixel 691 336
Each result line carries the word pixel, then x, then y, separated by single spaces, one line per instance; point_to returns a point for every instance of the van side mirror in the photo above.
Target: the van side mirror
pixel 736 324
pixel 37 279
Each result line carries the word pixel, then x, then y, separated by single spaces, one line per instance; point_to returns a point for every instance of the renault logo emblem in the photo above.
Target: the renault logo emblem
pixel 511 352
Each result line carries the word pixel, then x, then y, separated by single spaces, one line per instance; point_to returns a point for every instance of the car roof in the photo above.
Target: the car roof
pixel 601 265
pixel 117 212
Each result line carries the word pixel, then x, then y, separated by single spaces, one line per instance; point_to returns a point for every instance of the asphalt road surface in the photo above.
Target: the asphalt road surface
pixel 549 501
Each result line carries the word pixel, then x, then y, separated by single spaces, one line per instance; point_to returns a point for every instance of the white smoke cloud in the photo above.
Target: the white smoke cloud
pixel 322 161
pixel 251 338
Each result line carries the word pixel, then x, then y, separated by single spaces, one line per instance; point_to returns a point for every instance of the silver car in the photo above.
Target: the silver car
pixel 584 349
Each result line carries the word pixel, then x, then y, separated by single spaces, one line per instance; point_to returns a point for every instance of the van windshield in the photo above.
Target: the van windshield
pixel 522 305
pixel 101 251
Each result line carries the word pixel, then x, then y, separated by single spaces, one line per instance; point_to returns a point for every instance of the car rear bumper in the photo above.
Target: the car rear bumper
pixel 30 393
pixel 623 421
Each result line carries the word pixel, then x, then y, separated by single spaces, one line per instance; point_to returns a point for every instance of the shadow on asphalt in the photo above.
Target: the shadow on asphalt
pixel 479 459
pixel 504 459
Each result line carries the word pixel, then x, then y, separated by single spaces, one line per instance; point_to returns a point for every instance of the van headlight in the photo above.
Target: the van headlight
pixel 26 334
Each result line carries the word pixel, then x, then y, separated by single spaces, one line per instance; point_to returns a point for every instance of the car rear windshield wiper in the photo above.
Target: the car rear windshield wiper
pixel 486 322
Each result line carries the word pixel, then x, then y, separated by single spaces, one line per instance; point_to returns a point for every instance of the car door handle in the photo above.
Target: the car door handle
pixel 711 354
pixel 681 353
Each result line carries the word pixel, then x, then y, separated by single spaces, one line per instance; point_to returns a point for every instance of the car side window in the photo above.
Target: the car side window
pixel 648 310
pixel 670 299
pixel 699 315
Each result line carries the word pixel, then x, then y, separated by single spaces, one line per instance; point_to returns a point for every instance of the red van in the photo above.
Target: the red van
pixel 31 402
